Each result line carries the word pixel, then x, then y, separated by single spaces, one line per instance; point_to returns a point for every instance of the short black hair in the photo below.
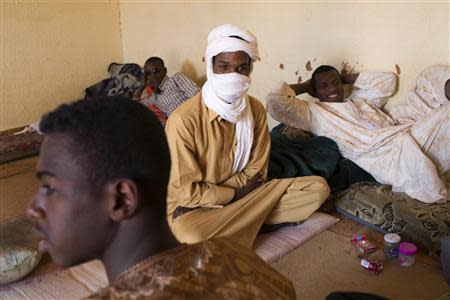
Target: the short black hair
pixel 154 59
pixel 321 69
pixel 114 137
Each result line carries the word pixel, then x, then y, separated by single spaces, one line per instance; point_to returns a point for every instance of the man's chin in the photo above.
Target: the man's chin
pixel 62 262
pixel 45 247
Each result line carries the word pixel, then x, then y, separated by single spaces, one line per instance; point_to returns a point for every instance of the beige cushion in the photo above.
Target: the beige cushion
pixel 16 262
pixel 274 245
pixel 18 254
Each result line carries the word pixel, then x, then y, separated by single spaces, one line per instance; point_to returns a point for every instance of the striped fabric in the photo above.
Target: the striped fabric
pixel 174 91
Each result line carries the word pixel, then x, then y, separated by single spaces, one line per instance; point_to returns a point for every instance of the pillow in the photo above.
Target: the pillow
pixel 18 254
pixel 389 212
pixel 16 262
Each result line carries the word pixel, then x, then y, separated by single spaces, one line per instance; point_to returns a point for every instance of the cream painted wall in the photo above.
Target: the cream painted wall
pixel 369 36
pixel 52 51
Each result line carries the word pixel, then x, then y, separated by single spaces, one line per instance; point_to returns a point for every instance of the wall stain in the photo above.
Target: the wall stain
pixel 397 68
pixel 347 68
pixel 282 66
pixel 308 66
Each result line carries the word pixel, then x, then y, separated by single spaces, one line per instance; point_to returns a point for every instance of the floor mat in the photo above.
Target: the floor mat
pixel 274 245
pixel 74 283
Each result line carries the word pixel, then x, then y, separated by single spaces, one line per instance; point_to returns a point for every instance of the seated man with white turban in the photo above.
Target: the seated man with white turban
pixel 219 144
pixel 412 157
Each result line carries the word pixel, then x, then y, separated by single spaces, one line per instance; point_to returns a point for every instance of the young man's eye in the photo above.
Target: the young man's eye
pixel 243 69
pixel 48 190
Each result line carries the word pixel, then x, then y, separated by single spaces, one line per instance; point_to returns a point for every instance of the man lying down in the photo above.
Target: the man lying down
pixel 103 173
pixel 410 157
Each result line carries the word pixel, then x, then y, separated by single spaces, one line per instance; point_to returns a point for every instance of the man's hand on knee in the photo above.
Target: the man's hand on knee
pixel 251 185
pixel 181 210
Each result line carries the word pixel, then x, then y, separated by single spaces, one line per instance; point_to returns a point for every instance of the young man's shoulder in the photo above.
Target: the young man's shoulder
pixel 221 262
pixel 179 75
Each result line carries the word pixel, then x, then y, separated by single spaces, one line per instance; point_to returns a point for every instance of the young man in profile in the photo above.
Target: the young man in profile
pixel 103 173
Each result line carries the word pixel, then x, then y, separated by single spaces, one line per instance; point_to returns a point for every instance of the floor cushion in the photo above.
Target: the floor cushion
pixel 274 245
pixel 18 253
pixel 390 212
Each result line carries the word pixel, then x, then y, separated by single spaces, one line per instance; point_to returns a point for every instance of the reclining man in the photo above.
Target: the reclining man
pixel 397 155
pixel 161 93
pixel 219 144
pixel 102 195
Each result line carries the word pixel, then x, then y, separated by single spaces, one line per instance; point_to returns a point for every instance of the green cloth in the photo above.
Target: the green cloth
pixel 303 155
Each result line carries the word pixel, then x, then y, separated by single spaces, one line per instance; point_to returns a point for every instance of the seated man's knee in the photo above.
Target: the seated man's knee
pixel 188 233
pixel 320 185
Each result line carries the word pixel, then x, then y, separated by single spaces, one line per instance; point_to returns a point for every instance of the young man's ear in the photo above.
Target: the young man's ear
pixel 123 200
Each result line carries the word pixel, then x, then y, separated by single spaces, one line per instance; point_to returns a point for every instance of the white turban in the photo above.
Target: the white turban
pixel 229 38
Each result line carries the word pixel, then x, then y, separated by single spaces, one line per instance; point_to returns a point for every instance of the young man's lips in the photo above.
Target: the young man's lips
pixel 43 240
pixel 43 246
pixel 38 229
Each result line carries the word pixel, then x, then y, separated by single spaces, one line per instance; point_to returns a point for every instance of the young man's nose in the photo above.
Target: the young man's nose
pixel 35 210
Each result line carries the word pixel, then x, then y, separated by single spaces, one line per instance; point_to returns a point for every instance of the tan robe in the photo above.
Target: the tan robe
pixel 215 269
pixel 202 147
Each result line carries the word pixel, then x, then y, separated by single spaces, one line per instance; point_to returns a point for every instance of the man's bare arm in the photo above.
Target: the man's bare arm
pixel 303 88
pixel 349 78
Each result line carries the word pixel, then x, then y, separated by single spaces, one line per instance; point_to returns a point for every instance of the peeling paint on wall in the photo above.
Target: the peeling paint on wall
pixel 308 66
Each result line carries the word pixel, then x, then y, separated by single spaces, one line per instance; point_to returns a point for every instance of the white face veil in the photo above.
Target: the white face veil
pixel 226 94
